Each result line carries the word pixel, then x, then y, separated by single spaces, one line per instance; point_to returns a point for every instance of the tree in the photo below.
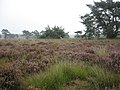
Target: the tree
pixel 105 17
pixel 78 34
pixel 48 33
pixel 5 32
pixel 36 34
pixel 89 24
pixel 58 32
pixel 54 33
pixel 26 33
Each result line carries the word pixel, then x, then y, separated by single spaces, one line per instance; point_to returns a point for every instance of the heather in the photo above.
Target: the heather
pixel 55 64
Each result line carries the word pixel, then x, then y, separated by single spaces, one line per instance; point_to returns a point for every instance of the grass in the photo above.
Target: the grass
pixel 101 51
pixel 102 79
pixel 60 74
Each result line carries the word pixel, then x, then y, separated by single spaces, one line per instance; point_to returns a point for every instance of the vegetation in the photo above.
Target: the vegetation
pixel 49 33
pixel 5 32
pixel 103 19
pixel 54 33
pixel 78 34
pixel 61 74
pixel 26 33
pixel 51 63
pixel 36 34
pixel 62 64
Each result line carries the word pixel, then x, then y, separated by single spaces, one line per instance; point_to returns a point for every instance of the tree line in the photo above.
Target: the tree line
pixel 55 32
pixel 103 20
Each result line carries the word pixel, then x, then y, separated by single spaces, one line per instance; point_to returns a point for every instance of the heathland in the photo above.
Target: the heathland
pixel 59 64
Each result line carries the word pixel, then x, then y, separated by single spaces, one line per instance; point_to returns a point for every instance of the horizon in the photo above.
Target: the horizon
pixel 19 15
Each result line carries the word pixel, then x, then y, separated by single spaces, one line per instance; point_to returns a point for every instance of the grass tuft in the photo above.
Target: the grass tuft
pixel 60 74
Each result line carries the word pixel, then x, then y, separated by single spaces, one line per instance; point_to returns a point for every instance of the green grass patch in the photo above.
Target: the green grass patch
pixel 60 74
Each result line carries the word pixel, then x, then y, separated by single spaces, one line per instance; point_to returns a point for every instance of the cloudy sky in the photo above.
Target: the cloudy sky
pixel 19 15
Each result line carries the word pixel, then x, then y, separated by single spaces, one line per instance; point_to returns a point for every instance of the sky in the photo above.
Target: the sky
pixel 19 15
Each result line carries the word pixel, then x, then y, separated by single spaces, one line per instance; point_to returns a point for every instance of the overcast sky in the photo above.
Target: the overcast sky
pixel 19 15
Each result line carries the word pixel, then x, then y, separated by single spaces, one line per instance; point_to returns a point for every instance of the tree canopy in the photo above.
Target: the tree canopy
pixel 103 19
pixel 36 34
pixel 5 32
pixel 78 34
pixel 54 33
pixel 26 33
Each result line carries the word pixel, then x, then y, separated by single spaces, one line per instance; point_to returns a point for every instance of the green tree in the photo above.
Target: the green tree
pixel 36 34
pixel 58 32
pixel 5 32
pixel 88 21
pixel 54 33
pixel 26 33
pixel 47 33
pixel 105 17
pixel 78 34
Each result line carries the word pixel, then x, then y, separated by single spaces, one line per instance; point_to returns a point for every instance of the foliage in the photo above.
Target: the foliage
pixel 62 73
pixel 91 31
pixel 26 33
pixel 24 58
pixel 36 34
pixel 55 33
pixel 105 17
pixel 78 34
pixel 5 32
pixel 20 61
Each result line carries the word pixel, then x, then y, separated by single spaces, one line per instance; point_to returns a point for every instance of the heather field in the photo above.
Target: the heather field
pixel 60 64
